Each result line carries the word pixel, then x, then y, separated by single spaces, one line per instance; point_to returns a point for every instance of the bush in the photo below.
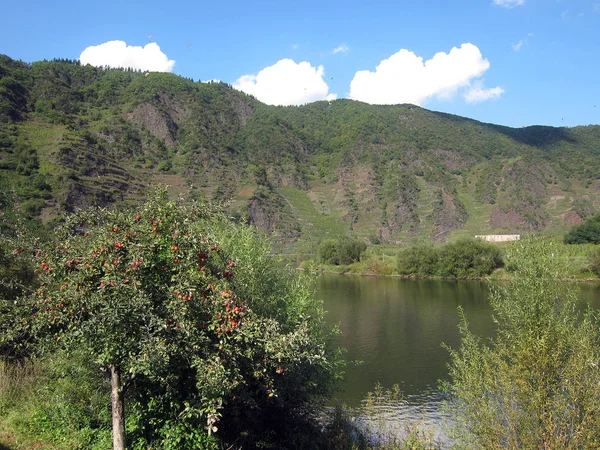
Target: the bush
pixel 466 258
pixel 328 252
pixel 469 258
pixel 535 385
pixel 589 231
pixel 419 260
pixel 594 261
pixel 341 252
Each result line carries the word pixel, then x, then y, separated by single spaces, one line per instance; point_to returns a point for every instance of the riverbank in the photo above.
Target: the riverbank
pixel 382 261
pixel 493 277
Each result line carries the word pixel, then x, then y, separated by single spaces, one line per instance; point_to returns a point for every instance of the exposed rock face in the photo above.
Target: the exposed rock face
pixel 449 214
pixel 403 214
pixel 158 123
pixel 260 217
pixel 509 219
pixel 572 218
pixel 177 111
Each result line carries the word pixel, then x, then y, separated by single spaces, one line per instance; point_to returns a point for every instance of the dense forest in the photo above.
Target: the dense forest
pixel 73 136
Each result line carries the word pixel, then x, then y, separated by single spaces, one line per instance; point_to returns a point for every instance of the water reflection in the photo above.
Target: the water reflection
pixel 396 327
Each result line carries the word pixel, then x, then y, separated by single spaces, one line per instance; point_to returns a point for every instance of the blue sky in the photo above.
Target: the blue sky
pixel 511 62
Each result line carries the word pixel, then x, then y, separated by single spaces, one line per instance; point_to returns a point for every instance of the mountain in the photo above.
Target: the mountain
pixel 73 136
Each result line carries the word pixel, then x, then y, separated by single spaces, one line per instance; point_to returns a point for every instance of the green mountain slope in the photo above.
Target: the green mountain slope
pixel 73 135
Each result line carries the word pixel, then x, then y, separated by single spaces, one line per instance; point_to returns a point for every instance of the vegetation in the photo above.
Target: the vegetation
pixel 594 258
pixel 341 252
pixel 588 232
pixel 74 136
pixel 535 384
pixel 204 336
pixel 465 258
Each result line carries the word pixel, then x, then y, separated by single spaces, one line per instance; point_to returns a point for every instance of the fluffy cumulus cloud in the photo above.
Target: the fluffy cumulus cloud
pixel 509 3
pixel 405 78
pixel 119 54
pixel 477 93
pixel 287 83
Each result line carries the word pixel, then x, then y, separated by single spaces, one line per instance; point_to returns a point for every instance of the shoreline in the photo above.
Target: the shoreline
pixel 416 277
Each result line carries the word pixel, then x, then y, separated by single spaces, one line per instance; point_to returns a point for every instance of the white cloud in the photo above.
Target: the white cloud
pixel 343 48
pixel 596 7
pixel 477 93
pixel 509 3
pixel 287 83
pixel 119 54
pixel 523 42
pixel 405 78
pixel 516 47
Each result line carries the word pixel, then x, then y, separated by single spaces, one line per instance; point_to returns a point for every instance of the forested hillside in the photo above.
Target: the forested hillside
pixel 72 136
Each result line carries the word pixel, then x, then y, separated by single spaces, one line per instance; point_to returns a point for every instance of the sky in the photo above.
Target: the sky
pixel 509 62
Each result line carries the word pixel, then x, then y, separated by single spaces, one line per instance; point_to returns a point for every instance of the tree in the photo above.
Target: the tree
pixel 469 258
pixel 589 231
pixel 421 260
pixel 341 251
pixel 535 385
pixel 169 303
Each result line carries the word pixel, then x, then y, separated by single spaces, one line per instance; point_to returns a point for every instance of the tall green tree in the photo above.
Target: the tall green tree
pixel 168 301
pixel 535 385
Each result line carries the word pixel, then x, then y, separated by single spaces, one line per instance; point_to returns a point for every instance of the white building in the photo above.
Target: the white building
pixel 498 237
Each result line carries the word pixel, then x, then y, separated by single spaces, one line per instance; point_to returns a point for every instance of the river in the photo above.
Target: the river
pixel 396 327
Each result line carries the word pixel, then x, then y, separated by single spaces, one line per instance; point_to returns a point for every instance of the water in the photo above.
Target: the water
pixel 396 327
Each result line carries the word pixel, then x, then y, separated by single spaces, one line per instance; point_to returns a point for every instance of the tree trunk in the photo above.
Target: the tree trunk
pixel 118 410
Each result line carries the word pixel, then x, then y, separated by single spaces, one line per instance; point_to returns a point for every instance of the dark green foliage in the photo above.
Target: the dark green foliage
pixel 469 258
pixel 418 260
pixel 341 251
pixel 465 258
pixel 587 232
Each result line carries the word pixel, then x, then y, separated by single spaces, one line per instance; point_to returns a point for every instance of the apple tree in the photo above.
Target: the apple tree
pixel 186 314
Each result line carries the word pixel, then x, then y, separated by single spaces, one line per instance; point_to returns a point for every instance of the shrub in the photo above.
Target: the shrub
pixel 341 252
pixel 350 250
pixel 535 385
pixel 466 258
pixel 419 260
pixel 469 258
pixel 589 231
pixel 594 261
pixel 328 252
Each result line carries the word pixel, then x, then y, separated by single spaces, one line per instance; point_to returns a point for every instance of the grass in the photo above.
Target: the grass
pixel 53 404
pixel 315 225
pixel 478 213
